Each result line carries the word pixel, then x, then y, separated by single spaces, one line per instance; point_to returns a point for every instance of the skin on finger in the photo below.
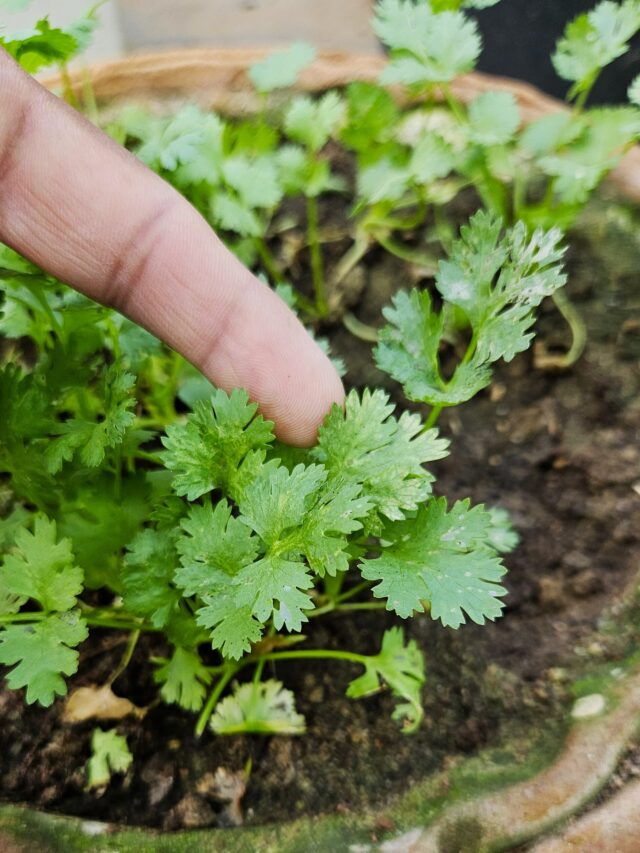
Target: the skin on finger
pixel 87 211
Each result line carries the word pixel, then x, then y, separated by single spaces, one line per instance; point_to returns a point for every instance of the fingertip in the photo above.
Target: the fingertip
pixel 298 424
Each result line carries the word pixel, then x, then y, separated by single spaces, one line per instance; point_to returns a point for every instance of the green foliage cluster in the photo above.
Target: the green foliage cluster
pixel 123 471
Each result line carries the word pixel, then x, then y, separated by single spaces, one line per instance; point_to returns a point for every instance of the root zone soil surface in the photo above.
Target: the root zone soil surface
pixel 560 452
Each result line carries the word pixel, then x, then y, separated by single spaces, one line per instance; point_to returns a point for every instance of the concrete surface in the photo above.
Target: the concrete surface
pixel 328 24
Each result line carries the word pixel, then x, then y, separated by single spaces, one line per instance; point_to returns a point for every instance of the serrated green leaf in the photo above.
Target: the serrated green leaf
pixel 208 450
pixel 233 627
pixel 275 587
pixel 494 118
pixel 383 181
pixel 41 568
pixel 265 708
pixel 580 166
pixel 365 445
pixel 432 158
pixel 147 576
pixel 442 558
pixel 184 679
pixel 408 349
pixel 372 116
pixel 255 181
pixel 215 548
pixel 42 653
pixel 314 122
pixel 593 40
pixel 91 439
pixel 496 280
pixel 399 666
pixel 426 46
pixel 109 754
pixel 40 47
pixel 281 69
pixel 229 213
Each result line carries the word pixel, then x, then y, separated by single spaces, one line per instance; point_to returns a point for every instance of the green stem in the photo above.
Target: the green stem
pixel 353 255
pixel 406 223
pixel 317 654
pixel 68 93
pixel 215 694
pixel 92 620
pixel 149 457
pixel 406 253
pixel 317 271
pixel 268 261
pixel 576 325
pixel 432 420
pixel 126 657
pixel 358 329
pixel 454 104
pixel 355 590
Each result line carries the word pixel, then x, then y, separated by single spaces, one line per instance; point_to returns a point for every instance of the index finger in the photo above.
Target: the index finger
pixel 83 208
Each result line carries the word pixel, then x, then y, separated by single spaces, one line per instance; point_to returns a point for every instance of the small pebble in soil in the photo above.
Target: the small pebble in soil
pixel 588 706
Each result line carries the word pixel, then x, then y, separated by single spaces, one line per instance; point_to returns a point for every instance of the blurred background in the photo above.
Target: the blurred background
pixel 519 35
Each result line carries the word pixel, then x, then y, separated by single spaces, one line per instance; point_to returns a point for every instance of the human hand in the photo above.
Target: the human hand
pixel 85 210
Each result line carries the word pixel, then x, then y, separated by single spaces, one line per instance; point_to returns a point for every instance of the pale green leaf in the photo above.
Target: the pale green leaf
pixel 443 558
pixel 265 708
pixel 43 652
pixel 109 754
pixel 280 70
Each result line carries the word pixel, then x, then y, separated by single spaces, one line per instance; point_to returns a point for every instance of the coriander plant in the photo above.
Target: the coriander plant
pixel 136 497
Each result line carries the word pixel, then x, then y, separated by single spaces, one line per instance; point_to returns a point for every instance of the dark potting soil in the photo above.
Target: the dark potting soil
pixel 560 451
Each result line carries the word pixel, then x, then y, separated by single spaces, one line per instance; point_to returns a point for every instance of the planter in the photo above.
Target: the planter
pixel 526 784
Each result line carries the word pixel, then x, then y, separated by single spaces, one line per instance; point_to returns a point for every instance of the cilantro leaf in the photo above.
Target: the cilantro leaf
pixel 633 92
pixel 372 116
pixel 383 181
pixel 302 173
pixel 175 141
pixel 594 39
pixel 275 587
pixel 442 558
pixel 216 547
pixel 503 537
pixel 229 213
pixel 91 439
pixel 402 668
pixel 210 450
pixel 41 567
pixel 42 46
pixel 109 754
pixel 147 575
pixel 496 281
pixel 184 679
pixel 365 445
pixel 580 165
pixel 233 628
pixel 266 708
pixel 426 46
pixel 281 69
pixel 255 181
pixel 278 499
pixel 408 349
pixel 494 118
pixel 314 122
pixel 43 652
pixel 432 158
